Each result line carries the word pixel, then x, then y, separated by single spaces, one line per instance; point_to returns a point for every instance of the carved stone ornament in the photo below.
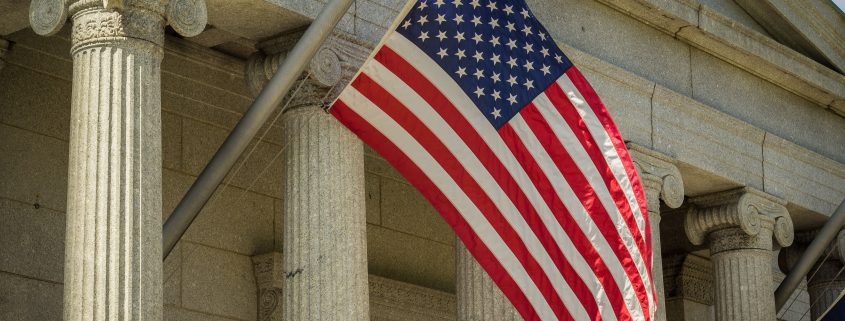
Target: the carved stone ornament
pixel 743 208
pixel 113 19
pixel 653 165
pixel 269 278
pixel 333 66
pixel 187 17
pixel 47 16
pixel 689 277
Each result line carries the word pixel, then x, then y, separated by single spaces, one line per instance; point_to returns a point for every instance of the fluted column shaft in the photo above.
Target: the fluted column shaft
pixel 651 185
pixel 478 297
pixel 113 239
pixel 113 246
pixel 743 273
pixel 825 282
pixel 661 179
pixel 325 244
pixel 741 227
pixel 825 287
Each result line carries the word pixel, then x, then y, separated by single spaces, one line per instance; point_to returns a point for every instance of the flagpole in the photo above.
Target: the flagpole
pixel 810 256
pixel 270 97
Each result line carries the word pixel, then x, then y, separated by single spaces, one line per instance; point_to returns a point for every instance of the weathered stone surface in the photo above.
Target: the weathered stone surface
pixel 711 30
pixel 764 105
pixel 825 282
pixel 741 227
pixel 394 300
pixel 478 298
pixel 31 240
pixel 373 194
pixel 248 217
pixel 617 38
pixel 431 265
pixel 201 141
pixel 26 299
pixel 47 113
pixel 218 282
pixel 325 239
pixel 661 179
pixel 269 278
pixel 688 280
pixel 805 179
pixel 707 139
pixel 171 141
pixel 627 97
pixel 814 28
pixel 172 277
pixel 114 177
pixel 404 209
pixel 174 313
pixel 34 168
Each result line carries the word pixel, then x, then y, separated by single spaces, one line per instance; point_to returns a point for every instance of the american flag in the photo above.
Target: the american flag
pixel 474 103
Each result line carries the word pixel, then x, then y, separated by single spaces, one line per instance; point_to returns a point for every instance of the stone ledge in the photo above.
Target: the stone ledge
pixel 724 147
pixel 704 28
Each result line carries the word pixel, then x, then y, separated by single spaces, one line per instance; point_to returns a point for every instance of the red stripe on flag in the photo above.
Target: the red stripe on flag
pixel 586 194
pixel 422 86
pixel 567 221
pixel 399 113
pixel 441 203
pixel 582 133
pixel 618 143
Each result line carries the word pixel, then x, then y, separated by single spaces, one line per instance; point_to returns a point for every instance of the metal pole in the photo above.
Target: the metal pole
pixel 810 256
pixel 270 97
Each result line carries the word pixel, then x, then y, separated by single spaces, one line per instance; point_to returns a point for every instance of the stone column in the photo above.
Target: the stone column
pixel 478 297
pixel 113 246
pixel 269 278
pixel 661 180
pixel 739 226
pixel 325 233
pixel 826 283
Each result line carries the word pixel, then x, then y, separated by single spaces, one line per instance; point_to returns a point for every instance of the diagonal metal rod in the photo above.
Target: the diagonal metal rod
pixel 270 97
pixel 810 256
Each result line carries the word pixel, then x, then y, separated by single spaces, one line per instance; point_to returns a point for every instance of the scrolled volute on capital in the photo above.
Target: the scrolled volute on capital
pixel 187 17
pixel 742 208
pixel 332 67
pixel 661 167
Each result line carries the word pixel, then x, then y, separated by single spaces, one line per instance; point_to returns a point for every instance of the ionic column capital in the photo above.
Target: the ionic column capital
pixel 107 21
pixel 334 65
pixel 745 210
pixel 661 178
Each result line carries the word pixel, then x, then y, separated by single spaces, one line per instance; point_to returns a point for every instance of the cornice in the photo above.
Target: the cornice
pixel 712 32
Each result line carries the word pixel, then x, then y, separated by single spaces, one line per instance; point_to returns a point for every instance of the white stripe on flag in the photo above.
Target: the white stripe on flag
pixel 410 147
pixel 573 146
pixel 603 141
pixel 477 170
pixel 446 85
pixel 573 204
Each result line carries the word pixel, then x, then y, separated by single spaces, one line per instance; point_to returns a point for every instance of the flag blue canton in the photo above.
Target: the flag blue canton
pixel 497 51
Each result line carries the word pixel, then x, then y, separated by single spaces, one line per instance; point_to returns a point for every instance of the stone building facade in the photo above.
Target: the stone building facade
pixel 110 109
